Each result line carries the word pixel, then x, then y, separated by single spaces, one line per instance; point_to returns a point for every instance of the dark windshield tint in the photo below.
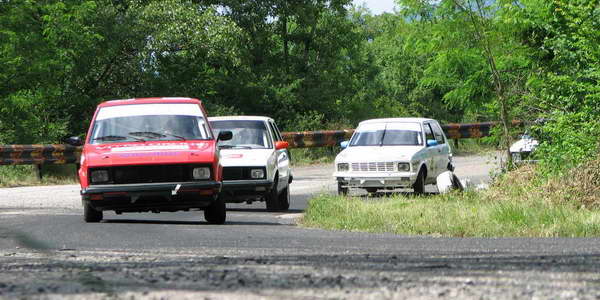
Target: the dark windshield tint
pixel 246 133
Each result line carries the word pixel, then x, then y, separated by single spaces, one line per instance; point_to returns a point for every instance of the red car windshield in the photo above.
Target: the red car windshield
pixel 148 122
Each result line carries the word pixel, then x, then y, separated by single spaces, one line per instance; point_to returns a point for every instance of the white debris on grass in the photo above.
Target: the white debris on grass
pixel 448 181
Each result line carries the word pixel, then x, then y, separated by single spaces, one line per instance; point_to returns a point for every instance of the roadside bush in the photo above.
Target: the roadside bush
pixel 24 119
pixel 567 140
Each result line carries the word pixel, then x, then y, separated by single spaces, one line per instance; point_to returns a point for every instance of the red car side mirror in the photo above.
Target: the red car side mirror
pixel 281 145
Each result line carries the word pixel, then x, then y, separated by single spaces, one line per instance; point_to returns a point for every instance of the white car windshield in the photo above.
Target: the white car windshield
pixel 247 134
pixel 142 122
pixel 388 134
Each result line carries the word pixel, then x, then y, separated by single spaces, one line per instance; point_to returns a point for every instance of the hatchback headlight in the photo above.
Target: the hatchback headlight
pixel 201 173
pixel 342 167
pixel 257 173
pixel 99 176
pixel 403 167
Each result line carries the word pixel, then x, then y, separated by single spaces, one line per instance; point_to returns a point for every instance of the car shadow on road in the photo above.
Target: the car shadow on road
pixel 257 210
pixel 172 222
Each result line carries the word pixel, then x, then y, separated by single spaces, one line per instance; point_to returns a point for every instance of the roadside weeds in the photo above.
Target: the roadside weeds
pixel 518 204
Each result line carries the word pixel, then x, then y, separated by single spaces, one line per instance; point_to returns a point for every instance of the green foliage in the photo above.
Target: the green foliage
pixel 20 122
pixel 568 140
pixel 311 65
pixel 564 42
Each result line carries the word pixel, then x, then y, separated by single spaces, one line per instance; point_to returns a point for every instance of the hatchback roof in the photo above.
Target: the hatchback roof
pixel 396 120
pixel 149 101
pixel 240 118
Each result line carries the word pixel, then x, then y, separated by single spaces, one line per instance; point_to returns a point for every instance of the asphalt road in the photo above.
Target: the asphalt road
pixel 46 251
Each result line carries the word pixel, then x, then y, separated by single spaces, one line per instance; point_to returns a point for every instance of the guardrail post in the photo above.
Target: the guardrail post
pixel 39 171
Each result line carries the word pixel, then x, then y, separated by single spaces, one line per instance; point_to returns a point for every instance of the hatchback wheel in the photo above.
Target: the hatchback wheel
pixel 90 215
pixel 216 212
pixel 284 199
pixel 272 199
pixel 419 185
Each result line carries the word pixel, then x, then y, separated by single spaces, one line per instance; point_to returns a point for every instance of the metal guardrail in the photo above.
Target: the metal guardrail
pixel 39 154
pixel 67 154
pixel 328 138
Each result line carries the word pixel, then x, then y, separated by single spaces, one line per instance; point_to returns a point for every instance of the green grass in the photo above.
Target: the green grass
pixel 469 214
pixel 472 147
pixel 26 175
pixel 309 156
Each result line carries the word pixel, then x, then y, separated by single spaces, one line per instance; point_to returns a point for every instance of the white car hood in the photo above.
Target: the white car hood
pixel 378 154
pixel 245 157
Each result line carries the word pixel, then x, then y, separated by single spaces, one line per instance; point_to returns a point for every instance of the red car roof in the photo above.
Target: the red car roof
pixel 149 101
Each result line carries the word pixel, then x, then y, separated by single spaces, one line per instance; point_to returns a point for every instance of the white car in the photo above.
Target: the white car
pixel 521 150
pixel 256 162
pixel 391 154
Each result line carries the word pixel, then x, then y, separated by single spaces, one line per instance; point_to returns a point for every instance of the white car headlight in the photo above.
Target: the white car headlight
pixel 403 167
pixel 99 176
pixel 257 173
pixel 201 173
pixel 342 167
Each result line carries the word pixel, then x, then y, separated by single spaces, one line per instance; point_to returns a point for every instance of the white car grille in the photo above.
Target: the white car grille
pixel 373 167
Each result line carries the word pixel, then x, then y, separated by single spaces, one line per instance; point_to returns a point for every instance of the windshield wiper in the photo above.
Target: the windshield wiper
pixel 234 146
pixel 116 138
pixel 152 134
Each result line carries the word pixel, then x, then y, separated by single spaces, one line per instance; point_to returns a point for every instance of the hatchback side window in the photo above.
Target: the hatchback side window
pixel 275 131
pixel 428 132
pixel 437 131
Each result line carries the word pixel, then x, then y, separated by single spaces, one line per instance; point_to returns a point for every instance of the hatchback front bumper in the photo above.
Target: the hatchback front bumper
pixel 243 190
pixel 390 180
pixel 172 196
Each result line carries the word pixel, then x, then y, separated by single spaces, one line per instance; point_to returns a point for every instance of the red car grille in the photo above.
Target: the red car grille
pixel 149 174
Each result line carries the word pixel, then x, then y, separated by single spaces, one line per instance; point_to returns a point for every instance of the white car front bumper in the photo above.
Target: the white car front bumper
pixel 376 179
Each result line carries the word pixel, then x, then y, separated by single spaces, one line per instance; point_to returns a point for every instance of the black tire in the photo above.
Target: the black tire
pixel 284 199
pixel 456 184
pixel 272 198
pixel 90 215
pixel 216 213
pixel 419 185
pixel 342 191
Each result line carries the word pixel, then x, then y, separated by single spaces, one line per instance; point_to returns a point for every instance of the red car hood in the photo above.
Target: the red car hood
pixel 157 152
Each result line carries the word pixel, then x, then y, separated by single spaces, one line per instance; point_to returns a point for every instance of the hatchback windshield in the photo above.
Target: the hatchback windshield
pixel 246 134
pixel 142 122
pixel 388 134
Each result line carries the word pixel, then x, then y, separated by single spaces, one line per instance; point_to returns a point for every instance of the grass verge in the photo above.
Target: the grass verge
pixel 517 205
pixel 309 156
pixel 26 175
pixel 472 147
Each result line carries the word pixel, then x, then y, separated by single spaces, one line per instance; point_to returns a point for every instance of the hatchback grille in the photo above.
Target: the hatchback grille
pixel 239 173
pixel 373 167
pixel 150 174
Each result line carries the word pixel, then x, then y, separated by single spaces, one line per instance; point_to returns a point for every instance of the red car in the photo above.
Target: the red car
pixel 151 154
